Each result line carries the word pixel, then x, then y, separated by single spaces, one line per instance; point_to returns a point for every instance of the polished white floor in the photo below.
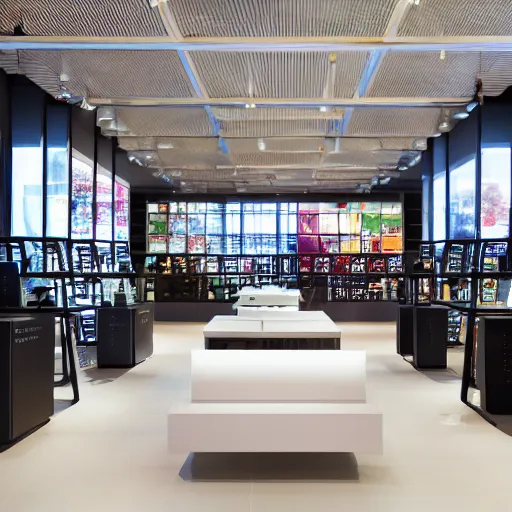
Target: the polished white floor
pixel 108 453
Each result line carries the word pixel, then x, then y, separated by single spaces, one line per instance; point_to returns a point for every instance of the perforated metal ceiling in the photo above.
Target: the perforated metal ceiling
pixel 81 18
pixel 458 18
pixel 282 18
pixel 243 100
pixel 102 74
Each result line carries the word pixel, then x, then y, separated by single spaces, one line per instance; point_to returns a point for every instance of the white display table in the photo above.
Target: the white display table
pixel 257 402
pixel 266 313
pixel 268 296
pixel 231 332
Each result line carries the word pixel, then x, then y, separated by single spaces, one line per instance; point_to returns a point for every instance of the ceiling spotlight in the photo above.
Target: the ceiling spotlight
pixel 416 2
pixel 247 105
pixel 442 55
pixel 261 145
pixel 471 106
pixel 444 126
pixel 148 157
pixel 403 168
pixel 420 144
pixel 323 109
pixel 165 145
pixel 461 115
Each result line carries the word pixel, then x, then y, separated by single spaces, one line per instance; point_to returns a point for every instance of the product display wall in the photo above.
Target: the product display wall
pixel 355 246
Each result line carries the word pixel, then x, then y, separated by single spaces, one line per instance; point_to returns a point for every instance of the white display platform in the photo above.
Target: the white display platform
pixel 242 328
pixel 268 296
pixel 255 424
pixel 316 427
pixel 286 376
pixel 281 313
pixel 227 327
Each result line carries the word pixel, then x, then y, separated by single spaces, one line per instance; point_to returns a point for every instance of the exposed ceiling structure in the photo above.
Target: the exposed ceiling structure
pixel 265 95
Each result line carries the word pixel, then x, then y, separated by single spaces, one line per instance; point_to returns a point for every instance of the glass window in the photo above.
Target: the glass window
pixel 462 200
pixel 104 204
pixel 27 162
pixel 57 180
pixel 439 206
pixel 425 207
pixel 495 192
pixel 81 196
pixel 122 210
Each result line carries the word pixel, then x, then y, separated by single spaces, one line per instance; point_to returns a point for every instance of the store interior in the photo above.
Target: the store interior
pixel 255 256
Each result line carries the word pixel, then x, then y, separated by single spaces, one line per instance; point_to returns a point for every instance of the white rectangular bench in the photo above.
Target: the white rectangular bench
pixel 288 401
pixel 262 427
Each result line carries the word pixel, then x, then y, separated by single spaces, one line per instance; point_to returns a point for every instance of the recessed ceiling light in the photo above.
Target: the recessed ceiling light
pixel 442 55
pixel 471 106
pixel 461 115
pixel 261 145
pixel 323 109
pixel 416 2
pixel 444 126
pixel 165 145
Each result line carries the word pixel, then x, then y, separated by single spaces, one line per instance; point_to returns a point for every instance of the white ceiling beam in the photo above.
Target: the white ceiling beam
pixel 409 44
pixel 281 102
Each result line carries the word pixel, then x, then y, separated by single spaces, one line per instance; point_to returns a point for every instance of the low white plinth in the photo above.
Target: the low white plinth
pixel 294 329
pixel 278 376
pixel 233 328
pixel 236 327
pixel 265 313
pixel 212 427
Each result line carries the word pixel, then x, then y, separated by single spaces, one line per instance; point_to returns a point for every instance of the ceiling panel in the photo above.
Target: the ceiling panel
pixel 282 18
pixel 288 144
pixel 394 122
pixel 304 160
pixel 280 74
pixel 177 158
pixel 9 61
pixel 81 18
pixel 160 122
pixel 103 74
pixel 273 114
pixel 304 127
pixel 458 18
pixel 496 72
pixel 425 74
pixel 364 158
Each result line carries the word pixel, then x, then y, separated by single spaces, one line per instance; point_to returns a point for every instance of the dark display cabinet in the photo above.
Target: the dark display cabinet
pixel 430 328
pixel 405 330
pixel 125 335
pixel 27 347
pixel 494 363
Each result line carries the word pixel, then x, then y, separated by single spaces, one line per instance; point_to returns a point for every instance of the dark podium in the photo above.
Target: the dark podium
pixel 494 363
pixel 405 330
pixel 430 333
pixel 27 360
pixel 124 335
